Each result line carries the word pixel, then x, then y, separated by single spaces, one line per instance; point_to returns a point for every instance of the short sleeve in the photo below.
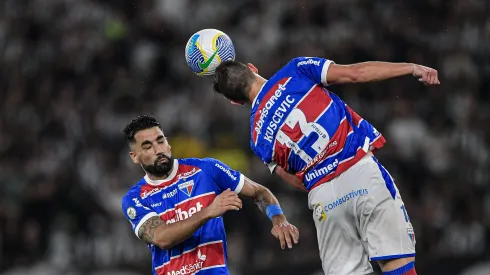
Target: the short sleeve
pixel 135 212
pixel 314 68
pixel 223 175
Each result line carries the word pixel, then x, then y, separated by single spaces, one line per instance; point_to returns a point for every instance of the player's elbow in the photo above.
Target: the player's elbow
pixel 164 243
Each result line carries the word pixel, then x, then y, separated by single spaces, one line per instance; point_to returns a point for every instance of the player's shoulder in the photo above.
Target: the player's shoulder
pixel 202 163
pixel 134 192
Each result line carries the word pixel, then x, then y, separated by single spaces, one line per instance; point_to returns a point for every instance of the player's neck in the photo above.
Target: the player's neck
pixel 255 89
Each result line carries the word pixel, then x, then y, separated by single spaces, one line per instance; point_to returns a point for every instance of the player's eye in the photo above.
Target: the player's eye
pixel 146 147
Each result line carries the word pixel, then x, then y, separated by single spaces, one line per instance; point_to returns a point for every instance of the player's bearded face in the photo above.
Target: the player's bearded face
pixel 161 166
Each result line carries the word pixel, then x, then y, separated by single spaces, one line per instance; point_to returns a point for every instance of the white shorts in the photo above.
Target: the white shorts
pixel 360 216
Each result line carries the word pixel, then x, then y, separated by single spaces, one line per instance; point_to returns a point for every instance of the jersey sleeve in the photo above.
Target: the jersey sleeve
pixel 223 175
pixel 314 68
pixel 135 212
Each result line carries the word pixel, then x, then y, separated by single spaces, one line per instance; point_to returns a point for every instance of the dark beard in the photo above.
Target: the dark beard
pixel 160 170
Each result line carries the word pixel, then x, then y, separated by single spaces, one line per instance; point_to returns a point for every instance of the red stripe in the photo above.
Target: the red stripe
pixel 355 117
pixel 312 105
pixel 336 144
pixel 187 209
pixel 378 143
pixel 205 256
pixel 341 168
pixel 263 101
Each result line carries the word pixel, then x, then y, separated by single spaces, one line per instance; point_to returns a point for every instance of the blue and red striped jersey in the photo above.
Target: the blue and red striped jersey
pixel 192 185
pixel 298 124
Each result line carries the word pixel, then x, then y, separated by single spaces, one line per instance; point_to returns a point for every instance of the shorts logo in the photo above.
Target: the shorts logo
pixel 345 198
pixel 186 187
pixel 411 235
pixel 319 213
pixel 131 212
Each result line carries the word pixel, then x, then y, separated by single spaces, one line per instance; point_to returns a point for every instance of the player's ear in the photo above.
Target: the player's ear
pixel 133 157
pixel 253 68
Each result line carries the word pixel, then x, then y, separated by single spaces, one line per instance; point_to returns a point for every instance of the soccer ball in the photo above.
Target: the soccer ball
pixel 206 49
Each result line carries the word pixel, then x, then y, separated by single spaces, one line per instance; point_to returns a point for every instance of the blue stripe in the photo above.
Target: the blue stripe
pixel 388 181
pixel 399 256
pixel 402 270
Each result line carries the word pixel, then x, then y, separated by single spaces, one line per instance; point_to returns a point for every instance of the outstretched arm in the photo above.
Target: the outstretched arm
pixel 269 204
pixel 376 71
pixel 155 231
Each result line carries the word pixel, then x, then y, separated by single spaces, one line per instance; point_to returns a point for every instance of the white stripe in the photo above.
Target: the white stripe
pixel 316 119
pixel 239 187
pixel 360 121
pixel 257 96
pixel 143 220
pixel 186 200
pixel 279 128
pixel 175 168
pixel 365 147
pixel 214 266
pixel 326 65
pixel 187 251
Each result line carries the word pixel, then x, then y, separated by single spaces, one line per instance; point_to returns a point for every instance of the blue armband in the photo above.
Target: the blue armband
pixel 273 210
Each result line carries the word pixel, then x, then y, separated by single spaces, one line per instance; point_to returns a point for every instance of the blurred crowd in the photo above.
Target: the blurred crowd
pixel 74 72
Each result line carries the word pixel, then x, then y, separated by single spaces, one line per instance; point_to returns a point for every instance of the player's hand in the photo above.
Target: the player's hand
pixel 228 200
pixel 426 75
pixel 284 231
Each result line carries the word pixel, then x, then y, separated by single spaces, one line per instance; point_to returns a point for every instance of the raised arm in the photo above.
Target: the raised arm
pixel 376 71
pixel 155 231
pixel 268 204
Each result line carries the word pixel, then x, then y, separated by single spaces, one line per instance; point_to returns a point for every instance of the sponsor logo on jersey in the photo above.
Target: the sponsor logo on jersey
pixel 308 62
pixel 186 187
pixel 271 98
pixel 187 208
pixel 313 174
pixel 205 256
pixel 188 174
pixel 192 267
pixel 157 204
pixel 131 212
pixel 225 170
pixel 319 213
pixel 169 194
pixel 345 198
pixel 137 203
pixel 151 192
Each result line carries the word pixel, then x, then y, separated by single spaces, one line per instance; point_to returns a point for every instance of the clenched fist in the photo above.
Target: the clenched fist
pixel 426 75
pixel 228 200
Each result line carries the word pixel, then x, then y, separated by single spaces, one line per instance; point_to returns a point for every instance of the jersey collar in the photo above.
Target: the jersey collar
pixel 169 178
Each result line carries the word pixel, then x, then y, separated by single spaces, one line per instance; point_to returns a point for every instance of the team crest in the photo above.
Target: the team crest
pixel 187 187
pixel 411 235
pixel 131 212
pixel 319 213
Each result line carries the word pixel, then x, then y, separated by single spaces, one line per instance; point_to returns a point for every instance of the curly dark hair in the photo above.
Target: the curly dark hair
pixel 233 80
pixel 137 124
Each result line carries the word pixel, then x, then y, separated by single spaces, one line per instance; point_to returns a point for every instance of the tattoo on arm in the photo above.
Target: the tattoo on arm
pixel 147 230
pixel 261 201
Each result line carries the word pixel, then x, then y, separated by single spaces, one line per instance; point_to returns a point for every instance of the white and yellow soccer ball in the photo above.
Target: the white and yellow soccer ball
pixel 206 49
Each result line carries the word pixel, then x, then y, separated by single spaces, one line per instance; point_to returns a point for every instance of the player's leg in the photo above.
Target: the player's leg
pixel 341 248
pixel 385 225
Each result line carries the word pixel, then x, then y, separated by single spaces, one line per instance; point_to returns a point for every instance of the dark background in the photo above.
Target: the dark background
pixel 74 72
